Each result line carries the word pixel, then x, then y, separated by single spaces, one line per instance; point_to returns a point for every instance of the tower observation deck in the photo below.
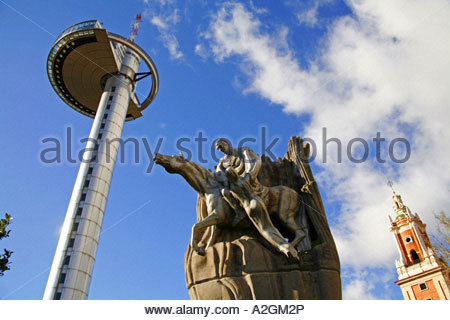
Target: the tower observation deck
pixel 94 72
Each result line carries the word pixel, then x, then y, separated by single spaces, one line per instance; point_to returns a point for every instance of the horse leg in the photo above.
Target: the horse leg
pixel 288 205
pixel 212 238
pixel 216 214
pixel 207 222
pixel 298 231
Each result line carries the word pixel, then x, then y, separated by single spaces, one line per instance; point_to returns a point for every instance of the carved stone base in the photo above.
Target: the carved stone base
pixel 246 269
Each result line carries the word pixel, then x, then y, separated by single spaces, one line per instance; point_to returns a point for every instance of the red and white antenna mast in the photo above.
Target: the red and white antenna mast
pixel 135 27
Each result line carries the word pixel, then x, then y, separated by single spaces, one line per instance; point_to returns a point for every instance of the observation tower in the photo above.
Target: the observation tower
pixel 94 72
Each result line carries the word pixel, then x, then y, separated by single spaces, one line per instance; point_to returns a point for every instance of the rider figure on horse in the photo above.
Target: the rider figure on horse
pixel 238 172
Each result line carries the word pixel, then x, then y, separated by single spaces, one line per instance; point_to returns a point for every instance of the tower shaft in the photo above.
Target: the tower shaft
pixel 72 266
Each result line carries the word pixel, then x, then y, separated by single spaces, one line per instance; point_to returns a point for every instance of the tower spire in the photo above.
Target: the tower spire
pixel 390 184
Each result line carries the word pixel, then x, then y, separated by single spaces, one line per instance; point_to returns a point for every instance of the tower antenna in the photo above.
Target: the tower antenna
pixel 135 29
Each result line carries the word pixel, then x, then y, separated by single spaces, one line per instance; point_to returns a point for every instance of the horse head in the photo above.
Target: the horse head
pixel 172 164
pixel 199 178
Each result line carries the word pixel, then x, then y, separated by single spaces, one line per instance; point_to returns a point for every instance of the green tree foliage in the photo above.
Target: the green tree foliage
pixel 4 233
pixel 441 240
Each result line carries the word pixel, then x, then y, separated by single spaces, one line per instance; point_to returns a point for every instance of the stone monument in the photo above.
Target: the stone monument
pixel 261 230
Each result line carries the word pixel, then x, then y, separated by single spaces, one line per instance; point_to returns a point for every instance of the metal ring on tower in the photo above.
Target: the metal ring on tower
pixel 148 61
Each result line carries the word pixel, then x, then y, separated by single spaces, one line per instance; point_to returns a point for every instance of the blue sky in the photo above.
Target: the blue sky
pixel 228 69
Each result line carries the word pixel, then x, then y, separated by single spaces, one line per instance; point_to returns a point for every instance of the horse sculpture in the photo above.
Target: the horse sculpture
pixel 281 202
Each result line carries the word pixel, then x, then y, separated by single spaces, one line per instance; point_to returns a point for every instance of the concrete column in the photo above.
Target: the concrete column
pixel 74 259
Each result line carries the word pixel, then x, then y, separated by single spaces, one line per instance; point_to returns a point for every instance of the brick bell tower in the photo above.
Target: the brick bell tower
pixel 421 274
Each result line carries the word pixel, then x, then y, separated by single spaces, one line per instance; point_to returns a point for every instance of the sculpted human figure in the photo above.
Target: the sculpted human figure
pixel 241 167
pixel 233 192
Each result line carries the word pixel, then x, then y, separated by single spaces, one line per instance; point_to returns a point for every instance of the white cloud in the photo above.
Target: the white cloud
pixel 357 290
pixel 164 15
pixel 171 43
pixel 257 9
pixel 383 69
pixel 200 50
pixel 309 17
pixel 159 22
pixel 361 283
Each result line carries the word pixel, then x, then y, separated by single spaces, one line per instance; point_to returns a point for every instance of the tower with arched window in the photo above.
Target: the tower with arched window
pixel 421 274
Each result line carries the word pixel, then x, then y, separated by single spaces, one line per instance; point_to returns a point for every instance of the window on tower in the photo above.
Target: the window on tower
pixel 414 256
pixel 423 286
pixel 408 240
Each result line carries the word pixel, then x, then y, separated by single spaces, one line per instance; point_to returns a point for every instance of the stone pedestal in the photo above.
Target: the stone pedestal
pixel 245 269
